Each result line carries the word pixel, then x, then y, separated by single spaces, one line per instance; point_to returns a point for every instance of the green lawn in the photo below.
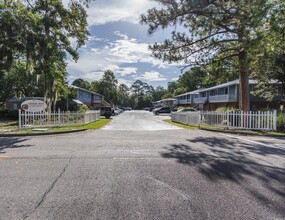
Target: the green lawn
pixel 208 127
pixel 180 125
pixel 4 121
pixel 92 126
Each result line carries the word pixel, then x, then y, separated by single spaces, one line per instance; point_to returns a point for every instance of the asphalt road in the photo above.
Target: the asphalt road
pixel 139 167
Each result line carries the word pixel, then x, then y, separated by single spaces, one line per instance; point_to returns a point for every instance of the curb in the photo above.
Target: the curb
pixel 243 133
pixel 40 134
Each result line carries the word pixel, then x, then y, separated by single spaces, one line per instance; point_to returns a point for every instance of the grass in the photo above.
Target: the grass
pixel 180 125
pixel 276 133
pixel 4 121
pixel 193 126
pixel 92 126
pixel 213 128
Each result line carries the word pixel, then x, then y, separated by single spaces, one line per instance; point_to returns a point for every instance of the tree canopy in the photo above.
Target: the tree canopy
pixel 82 83
pixel 39 32
pixel 270 63
pixel 209 31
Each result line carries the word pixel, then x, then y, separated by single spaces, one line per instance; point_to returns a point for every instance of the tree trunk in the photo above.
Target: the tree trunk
pixel 244 102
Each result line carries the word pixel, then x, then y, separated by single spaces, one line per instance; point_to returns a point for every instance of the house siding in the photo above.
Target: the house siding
pixel 225 95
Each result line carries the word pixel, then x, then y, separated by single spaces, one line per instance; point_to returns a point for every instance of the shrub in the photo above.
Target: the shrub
pixel 7 113
pixel 2 105
pixel 281 121
pixel 224 109
pixel 83 108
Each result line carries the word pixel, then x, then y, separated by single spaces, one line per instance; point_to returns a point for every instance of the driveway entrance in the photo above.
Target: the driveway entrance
pixel 139 121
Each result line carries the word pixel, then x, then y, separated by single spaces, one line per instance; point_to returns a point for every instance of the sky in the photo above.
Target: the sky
pixel 117 42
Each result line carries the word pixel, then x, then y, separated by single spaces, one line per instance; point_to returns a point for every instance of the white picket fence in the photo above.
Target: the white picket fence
pixel 29 120
pixel 231 119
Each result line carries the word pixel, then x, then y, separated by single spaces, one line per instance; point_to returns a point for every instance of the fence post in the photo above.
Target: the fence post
pixel 33 119
pixel 25 120
pixel 258 123
pixel 20 118
pixel 241 119
pixel 250 119
pixel 267 120
pixel 199 118
pixel 187 118
pixel 58 117
pixel 274 120
pixel 228 119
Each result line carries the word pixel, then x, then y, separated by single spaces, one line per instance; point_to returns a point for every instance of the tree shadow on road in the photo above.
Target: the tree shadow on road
pixel 11 142
pixel 221 159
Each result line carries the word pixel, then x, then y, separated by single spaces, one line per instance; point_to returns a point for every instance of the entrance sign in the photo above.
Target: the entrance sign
pixel 33 106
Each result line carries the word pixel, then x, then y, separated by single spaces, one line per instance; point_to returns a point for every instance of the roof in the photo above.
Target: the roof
pixel 162 100
pixel 77 102
pixel 231 83
pixel 169 99
pixel 21 99
pixel 85 90
pixel 105 103
pixel 189 93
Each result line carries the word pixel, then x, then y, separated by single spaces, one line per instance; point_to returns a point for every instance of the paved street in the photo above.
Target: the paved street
pixel 139 167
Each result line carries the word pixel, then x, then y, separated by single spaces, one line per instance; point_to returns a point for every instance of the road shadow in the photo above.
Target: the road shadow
pixel 12 142
pixel 221 159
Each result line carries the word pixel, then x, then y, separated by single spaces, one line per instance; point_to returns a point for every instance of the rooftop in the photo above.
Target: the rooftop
pixel 76 87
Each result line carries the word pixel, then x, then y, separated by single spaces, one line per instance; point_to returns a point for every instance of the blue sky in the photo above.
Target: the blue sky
pixel 119 43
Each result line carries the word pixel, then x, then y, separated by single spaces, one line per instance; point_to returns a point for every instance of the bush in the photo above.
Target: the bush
pixel 7 113
pixel 281 122
pixel 224 109
pixel 1 105
pixel 83 108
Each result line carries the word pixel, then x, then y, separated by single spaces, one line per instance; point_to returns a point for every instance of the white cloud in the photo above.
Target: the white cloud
pixel 175 79
pixel 124 81
pixel 152 76
pixel 110 55
pixel 101 12
pixel 94 75
pixel 122 71
pixel 127 71
pixel 129 50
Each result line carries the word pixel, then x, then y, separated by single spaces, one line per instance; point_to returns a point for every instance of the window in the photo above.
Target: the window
pixel 80 94
pixel 226 91
pixel 213 92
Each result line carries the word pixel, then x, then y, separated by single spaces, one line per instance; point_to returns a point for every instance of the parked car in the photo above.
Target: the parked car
pixel 118 111
pixel 158 111
pixel 187 110
pixel 105 111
